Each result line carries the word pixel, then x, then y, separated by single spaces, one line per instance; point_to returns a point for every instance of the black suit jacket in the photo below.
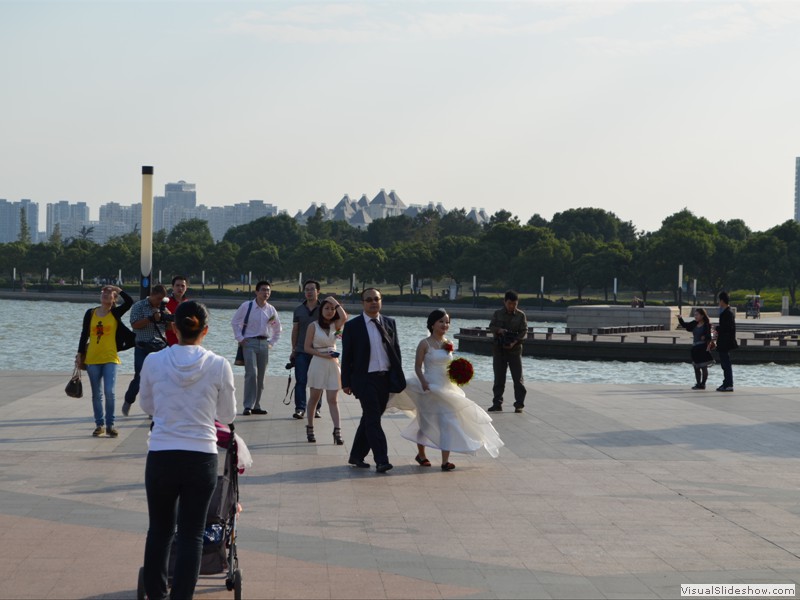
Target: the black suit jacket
pixel 726 331
pixel 356 352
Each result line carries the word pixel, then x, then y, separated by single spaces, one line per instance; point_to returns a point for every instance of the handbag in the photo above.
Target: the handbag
pixel 239 360
pixel 153 345
pixel 74 387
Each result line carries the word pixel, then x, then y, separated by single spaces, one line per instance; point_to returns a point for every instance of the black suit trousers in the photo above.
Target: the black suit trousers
pixel 369 435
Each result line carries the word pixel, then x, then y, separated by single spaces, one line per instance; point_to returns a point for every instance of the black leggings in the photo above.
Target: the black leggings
pixel 701 374
pixel 179 486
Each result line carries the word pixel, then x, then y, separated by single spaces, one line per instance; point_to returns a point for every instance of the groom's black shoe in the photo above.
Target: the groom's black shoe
pixel 359 464
pixel 495 408
pixel 383 467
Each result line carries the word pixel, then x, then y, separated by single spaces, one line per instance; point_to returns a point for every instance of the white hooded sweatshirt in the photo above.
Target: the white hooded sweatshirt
pixel 185 389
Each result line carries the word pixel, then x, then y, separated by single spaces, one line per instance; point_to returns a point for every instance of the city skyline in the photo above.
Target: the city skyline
pixel 638 108
pixel 179 203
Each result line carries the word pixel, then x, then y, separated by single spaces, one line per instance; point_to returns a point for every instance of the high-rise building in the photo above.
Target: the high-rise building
pixel 10 219
pixel 168 209
pixel 71 218
pixel 797 189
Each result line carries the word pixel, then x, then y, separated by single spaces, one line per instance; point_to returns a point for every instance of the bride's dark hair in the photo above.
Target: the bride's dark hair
pixel 436 315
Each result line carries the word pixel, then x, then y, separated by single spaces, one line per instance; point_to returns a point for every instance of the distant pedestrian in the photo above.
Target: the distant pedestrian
pixel 701 341
pixel 103 335
pixel 509 327
pixel 726 341
pixel 257 328
pixel 180 285
pixel 324 371
pixel 149 318
pixel 304 315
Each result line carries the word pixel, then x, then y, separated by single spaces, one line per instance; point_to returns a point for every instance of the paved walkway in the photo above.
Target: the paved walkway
pixel 601 491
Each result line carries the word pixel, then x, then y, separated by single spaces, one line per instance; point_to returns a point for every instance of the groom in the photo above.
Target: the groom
pixel 371 369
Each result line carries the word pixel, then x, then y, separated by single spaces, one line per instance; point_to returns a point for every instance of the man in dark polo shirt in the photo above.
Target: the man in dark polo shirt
pixel 509 327
pixel 304 315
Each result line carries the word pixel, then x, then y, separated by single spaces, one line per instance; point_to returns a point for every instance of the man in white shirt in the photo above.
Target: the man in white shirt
pixel 257 328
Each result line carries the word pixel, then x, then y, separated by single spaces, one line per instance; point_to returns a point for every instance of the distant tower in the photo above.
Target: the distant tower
pixel 797 189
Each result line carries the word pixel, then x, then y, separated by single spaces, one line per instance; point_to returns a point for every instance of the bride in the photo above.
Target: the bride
pixel 444 418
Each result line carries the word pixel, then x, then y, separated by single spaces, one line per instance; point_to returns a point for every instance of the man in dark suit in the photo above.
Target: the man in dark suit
pixel 371 369
pixel 726 341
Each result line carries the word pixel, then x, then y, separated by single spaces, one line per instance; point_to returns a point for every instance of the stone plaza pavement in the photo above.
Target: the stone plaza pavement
pixel 601 491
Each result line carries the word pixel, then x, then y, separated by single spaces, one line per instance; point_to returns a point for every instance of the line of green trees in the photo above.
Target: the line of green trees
pixel 580 248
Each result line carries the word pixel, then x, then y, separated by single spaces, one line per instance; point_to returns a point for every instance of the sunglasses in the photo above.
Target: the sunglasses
pixel 372 299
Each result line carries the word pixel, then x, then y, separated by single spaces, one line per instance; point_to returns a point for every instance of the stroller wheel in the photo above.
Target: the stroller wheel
pixel 237 584
pixel 140 594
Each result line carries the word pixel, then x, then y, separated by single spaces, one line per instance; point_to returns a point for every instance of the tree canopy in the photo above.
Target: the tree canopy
pixel 579 248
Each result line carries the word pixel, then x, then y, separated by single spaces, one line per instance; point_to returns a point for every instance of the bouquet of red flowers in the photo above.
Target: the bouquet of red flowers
pixel 460 371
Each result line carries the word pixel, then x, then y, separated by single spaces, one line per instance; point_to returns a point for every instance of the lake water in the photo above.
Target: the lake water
pixel 43 336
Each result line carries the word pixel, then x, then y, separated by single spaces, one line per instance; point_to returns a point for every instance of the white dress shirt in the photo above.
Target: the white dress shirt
pixel 263 321
pixel 378 357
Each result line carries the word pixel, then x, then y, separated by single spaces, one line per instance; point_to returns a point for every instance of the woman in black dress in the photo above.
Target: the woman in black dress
pixel 701 341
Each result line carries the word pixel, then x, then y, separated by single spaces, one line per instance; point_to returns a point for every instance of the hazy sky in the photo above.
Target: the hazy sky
pixel 641 108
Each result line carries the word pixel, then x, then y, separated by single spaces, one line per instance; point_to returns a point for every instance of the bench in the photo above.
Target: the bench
pixel 674 338
pixel 621 337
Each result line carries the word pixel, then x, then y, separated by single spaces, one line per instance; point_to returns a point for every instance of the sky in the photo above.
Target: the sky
pixel 641 108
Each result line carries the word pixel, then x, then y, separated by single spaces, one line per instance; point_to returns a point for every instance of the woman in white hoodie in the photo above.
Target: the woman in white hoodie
pixel 185 388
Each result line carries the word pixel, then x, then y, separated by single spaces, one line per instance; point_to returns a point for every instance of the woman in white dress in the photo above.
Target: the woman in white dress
pixel 324 371
pixel 445 418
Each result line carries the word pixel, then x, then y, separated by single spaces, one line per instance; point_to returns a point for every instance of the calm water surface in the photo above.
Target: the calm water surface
pixel 42 335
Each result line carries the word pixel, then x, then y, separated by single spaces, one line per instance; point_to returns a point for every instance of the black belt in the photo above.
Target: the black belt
pixel 259 337
pixel 378 373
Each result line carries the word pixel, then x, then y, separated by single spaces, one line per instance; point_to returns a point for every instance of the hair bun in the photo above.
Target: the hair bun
pixel 191 322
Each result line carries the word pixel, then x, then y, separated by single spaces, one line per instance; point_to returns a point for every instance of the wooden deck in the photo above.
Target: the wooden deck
pixel 633 346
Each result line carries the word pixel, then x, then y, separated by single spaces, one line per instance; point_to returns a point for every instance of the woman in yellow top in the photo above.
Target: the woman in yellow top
pixel 102 335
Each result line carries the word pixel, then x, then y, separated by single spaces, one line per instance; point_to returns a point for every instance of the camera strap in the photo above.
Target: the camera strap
pixel 247 318
pixel 287 398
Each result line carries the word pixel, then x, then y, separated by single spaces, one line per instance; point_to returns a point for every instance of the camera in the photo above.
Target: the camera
pixel 509 339
pixel 165 316
pixel 290 364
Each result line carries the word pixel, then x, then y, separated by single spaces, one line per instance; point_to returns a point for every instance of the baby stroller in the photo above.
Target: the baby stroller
pixel 219 538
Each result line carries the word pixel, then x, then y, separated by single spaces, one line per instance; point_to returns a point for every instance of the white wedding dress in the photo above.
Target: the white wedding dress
pixel 443 417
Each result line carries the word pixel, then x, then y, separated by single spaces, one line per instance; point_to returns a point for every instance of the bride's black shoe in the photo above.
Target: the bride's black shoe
pixel 448 466
pixel 423 462
pixel 310 434
pixel 337 436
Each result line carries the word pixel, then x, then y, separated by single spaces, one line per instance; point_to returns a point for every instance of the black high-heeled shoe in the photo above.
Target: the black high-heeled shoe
pixel 448 466
pixel 310 434
pixel 337 436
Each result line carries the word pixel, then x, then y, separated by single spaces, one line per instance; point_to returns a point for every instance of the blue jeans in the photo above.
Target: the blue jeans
pixel 139 354
pixel 179 487
pixel 727 369
pixel 301 364
pixel 105 374
pixel 256 357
